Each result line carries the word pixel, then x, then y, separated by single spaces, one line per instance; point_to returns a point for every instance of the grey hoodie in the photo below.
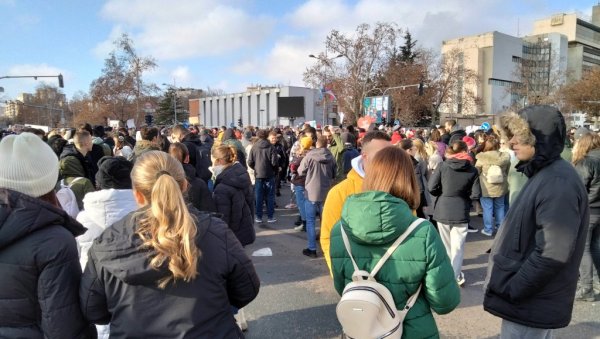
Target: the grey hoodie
pixel 319 168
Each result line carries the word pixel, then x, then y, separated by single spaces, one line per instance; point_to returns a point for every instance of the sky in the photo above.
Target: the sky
pixel 228 44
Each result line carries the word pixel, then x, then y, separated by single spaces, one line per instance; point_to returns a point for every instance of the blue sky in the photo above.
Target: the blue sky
pixel 227 44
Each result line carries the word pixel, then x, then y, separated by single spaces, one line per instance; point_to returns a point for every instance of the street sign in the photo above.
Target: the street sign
pixel 149 108
pixel 485 126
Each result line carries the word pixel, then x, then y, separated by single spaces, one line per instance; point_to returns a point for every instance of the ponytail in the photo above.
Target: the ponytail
pixel 227 153
pixel 166 226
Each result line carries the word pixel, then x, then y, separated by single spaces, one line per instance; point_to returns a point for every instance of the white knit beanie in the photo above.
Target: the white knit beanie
pixel 27 165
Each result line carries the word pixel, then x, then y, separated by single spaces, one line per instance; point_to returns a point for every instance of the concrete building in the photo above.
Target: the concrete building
pixel 256 106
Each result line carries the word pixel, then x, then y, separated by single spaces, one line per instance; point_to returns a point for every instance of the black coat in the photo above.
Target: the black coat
pixel 589 171
pixel 40 271
pixel 120 287
pixel 199 155
pixel 534 262
pixel 198 194
pixel 263 159
pixel 234 198
pixel 454 183
pixel 90 167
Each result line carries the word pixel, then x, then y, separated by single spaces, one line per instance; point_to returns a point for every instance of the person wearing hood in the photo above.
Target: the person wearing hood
pixel 586 159
pixel 319 168
pixel 263 159
pixel 373 220
pixel 454 183
pixel 38 255
pixel 229 139
pixel 103 208
pixel 166 270
pixel 372 142
pixel 533 266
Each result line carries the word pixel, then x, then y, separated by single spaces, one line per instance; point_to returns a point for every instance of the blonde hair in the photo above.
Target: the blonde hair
pixel 421 152
pixel 584 145
pixel 227 153
pixel 391 170
pixel 167 226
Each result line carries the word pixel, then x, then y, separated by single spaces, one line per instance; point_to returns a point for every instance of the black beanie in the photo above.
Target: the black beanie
pixel 114 172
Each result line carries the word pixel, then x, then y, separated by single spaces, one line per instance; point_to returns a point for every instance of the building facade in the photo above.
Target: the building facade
pixel 257 106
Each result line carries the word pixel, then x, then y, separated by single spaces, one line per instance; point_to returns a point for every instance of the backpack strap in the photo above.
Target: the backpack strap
pixel 348 248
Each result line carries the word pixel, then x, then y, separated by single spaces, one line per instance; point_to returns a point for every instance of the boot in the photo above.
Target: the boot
pixel 298 221
pixel 583 294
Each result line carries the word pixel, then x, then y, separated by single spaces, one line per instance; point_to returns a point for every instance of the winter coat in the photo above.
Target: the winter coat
pixel 338 149
pixel 101 210
pixel 332 209
pixel 319 168
pixel 72 170
pixel 373 221
pixel 106 149
pixel 484 161
pixel 197 193
pixel 229 139
pixel 297 179
pixel 263 159
pixel 589 171
pixel 74 164
pixel 40 270
pixel 234 197
pixel 248 168
pixel 534 262
pixel 143 146
pixel 454 183
pixel 119 286
pixel 349 154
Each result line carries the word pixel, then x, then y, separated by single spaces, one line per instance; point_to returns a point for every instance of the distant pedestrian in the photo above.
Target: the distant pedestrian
pixel 264 160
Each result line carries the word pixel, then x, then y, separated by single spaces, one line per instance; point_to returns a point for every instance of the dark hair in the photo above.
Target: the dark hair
pixel 406 144
pixel 456 147
pixel 451 122
pixel 179 151
pixel 86 127
pixel 491 143
pixel 321 142
pixel 261 134
pixel 149 133
pixel 435 135
pixel 375 135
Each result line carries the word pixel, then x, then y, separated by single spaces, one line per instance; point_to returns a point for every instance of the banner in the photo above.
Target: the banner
pixel 376 107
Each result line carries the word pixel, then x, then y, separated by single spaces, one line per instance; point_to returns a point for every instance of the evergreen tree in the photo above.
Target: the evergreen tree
pixel 407 53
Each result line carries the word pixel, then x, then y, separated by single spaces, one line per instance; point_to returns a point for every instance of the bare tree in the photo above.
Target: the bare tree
pixel 584 95
pixel 83 109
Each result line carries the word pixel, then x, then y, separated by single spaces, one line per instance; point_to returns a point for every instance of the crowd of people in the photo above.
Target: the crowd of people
pixel 157 219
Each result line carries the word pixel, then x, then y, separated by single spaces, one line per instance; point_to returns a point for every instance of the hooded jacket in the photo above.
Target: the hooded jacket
pixel 230 139
pixel 75 164
pixel 40 270
pixel 119 286
pixel 234 198
pixel 373 221
pixel 332 209
pixel 320 170
pixel 533 266
pixel 263 159
pixel 454 183
pixel 73 170
pixel 143 146
pixel 197 193
pixel 589 171
pixel 484 161
pixel 101 210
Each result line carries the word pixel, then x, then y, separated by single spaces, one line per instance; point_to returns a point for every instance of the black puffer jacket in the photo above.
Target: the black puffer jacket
pixel 454 183
pixel 120 287
pixel 197 193
pixel 263 159
pixel 533 266
pixel 589 171
pixel 234 198
pixel 199 155
pixel 40 271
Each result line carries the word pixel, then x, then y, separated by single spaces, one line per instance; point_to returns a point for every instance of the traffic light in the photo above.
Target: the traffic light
pixel 61 83
pixel 240 122
pixel 149 119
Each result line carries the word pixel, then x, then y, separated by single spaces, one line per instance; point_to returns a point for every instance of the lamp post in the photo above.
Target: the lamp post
pixel 327 62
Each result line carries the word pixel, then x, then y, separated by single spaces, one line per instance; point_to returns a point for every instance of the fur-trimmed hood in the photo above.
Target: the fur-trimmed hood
pixel 542 126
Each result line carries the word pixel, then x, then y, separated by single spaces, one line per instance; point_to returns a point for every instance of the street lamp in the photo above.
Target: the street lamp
pixel 326 61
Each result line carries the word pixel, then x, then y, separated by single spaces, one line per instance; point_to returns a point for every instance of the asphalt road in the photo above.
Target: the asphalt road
pixel 297 298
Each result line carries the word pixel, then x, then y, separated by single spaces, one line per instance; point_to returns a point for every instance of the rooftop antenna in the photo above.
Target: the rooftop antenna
pixel 518 27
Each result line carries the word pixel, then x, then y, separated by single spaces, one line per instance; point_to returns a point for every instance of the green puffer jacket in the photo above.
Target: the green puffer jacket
pixel 373 221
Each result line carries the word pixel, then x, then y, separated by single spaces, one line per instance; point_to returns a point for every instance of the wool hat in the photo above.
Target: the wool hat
pixel 114 172
pixel 469 141
pixel 29 165
pixel 306 142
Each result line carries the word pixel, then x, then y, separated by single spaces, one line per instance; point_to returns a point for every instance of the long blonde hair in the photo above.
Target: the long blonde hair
pixel 167 226
pixel 584 145
pixel 391 170
pixel 421 152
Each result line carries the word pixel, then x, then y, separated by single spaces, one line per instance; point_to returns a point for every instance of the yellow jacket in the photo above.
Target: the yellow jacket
pixel 332 210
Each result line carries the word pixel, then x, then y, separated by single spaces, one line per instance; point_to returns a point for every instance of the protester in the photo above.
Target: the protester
pixel 299 181
pixel 263 159
pixel 391 192
pixel 149 142
pixel 453 184
pixel 337 148
pixel 532 270
pixel 164 271
pixel 76 166
pixel 38 254
pixel 586 158
pixel 421 172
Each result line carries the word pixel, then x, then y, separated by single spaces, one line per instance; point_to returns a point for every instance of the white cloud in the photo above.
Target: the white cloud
pixel 187 28
pixel 182 76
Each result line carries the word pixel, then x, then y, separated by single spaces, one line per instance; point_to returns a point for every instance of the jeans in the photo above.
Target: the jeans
pixel 493 212
pixel 300 201
pixel 311 209
pixel 262 188
pixel 453 237
pixel 591 254
pixel 510 330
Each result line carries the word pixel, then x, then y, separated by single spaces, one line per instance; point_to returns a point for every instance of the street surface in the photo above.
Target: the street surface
pixel 297 298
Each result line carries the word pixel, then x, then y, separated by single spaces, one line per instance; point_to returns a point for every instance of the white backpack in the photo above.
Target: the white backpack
pixel 67 198
pixel 494 175
pixel 367 309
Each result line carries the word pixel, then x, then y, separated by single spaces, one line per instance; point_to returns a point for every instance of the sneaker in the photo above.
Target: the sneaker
pixel 258 220
pixel 298 221
pixel 290 206
pixel 240 319
pixel 300 228
pixel 471 229
pixel 271 220
pixel 461 280
pixel 309 253
pixel 585 295
pixel 486 233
